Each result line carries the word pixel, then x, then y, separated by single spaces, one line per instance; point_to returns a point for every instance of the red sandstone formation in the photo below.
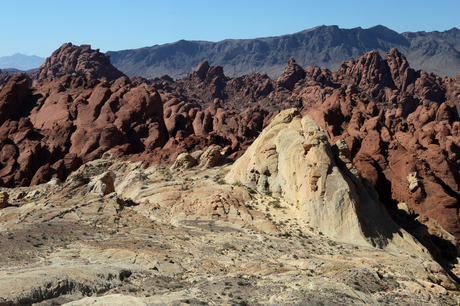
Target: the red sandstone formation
pixel 4 78
pixel 49 130
pixel 77 61
pixel 401 125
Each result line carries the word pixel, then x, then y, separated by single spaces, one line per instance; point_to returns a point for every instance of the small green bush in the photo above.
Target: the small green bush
pixel 275 203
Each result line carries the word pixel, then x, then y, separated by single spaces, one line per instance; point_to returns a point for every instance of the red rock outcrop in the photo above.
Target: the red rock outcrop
pixel 388 114
pixel 77 61
pixel 401 125
pixel 291 75
pixel 4 78
pixel 49 130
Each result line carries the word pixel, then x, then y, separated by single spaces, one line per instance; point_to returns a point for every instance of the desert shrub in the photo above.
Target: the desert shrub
pixel 275 203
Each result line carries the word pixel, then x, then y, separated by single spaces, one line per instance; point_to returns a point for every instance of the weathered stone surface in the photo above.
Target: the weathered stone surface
pixel 183 161
pixel 70 121
pixel 211 157
pixel 292 157
pixel 291 75
pixel 101 185
pixel 4 78
pixel 35 285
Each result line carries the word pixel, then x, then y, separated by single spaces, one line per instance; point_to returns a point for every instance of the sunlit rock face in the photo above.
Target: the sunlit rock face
pixel 292 158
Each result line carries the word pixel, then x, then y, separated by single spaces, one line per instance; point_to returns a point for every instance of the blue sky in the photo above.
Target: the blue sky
pixel 40 27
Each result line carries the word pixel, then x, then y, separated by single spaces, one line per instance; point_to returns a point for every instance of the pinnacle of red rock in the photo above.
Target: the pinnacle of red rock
pixel 201 70
pixel 291 75
pixel 369 70
pixel 402 74
pixel 4 78
pixel 77 61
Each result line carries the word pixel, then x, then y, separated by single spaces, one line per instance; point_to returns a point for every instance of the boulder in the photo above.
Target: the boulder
pixel 4 199
pixel 101 184
pixel 211 157
pixel 183 161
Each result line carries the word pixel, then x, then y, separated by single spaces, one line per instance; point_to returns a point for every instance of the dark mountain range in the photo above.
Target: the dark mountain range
pixel 21 62
pixel 323 46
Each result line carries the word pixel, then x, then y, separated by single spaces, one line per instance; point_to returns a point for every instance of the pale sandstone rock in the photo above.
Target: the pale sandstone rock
pixel 183 161
pixel 413 181
pixel 197 154
pixel 4 199
pixel 211 202
pixel 38 284
pixel 292 156
pixel 102 184
pixel 220 242
pixel 54 182
pixel 211 157
pixel 172 298
pixel 404 208
pixel 110 300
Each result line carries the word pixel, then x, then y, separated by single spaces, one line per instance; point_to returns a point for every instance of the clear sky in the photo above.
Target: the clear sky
pixel 34 27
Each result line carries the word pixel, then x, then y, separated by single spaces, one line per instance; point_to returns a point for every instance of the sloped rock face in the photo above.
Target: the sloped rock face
pixel 292 158
pixel 13 98
pixel 77 61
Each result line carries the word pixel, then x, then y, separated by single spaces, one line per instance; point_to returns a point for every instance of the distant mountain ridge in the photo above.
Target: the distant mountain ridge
pixel 21 62
pixel 323 46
